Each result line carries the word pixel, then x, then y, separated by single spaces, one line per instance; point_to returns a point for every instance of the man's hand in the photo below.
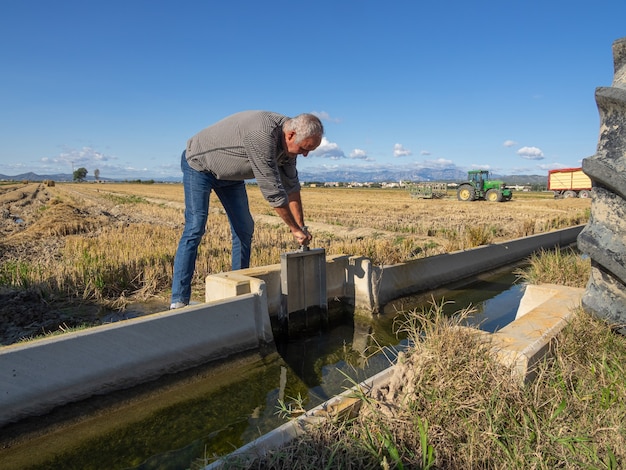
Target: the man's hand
pixel 302 236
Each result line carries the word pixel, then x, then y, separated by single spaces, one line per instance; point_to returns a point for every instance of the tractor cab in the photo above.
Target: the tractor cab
pixel 478 177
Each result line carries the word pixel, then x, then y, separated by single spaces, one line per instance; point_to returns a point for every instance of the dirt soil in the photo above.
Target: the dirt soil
pixel 33 221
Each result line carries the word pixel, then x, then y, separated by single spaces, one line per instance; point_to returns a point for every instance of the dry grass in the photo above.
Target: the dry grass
pixel 386 225
pixel 115 242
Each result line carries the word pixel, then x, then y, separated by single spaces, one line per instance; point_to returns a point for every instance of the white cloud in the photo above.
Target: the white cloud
pixel 400 151
pixel 509 143
pixel 70 159
pixel 328 149
pixel 83 157
pixel 530 153
pixel 425 152
pixel 359 154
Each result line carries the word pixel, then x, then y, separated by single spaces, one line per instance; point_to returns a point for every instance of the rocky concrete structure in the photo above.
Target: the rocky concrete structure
pixel 603 237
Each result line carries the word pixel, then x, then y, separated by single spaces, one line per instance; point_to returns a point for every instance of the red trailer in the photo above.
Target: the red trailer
pixel 569 182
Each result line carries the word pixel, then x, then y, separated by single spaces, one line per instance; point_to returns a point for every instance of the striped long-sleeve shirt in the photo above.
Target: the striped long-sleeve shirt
pixel 247 145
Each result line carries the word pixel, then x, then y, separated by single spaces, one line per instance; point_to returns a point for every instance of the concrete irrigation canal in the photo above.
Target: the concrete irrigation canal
pixel 243 312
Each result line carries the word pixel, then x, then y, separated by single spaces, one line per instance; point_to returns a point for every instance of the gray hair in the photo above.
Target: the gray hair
pixel 305 126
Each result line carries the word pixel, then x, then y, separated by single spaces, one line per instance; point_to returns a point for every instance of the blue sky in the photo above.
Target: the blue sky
pixel 120 86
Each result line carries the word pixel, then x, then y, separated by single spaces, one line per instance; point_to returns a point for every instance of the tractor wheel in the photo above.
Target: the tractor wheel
pixel 493 195
pixel 602 238
pixel 465 193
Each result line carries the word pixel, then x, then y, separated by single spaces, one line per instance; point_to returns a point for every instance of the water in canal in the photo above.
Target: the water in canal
pixel 186 420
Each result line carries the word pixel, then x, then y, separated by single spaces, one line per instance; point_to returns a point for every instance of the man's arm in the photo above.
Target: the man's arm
pixel 293 215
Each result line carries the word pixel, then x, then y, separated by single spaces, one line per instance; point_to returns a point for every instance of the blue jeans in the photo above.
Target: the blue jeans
pixel 232 194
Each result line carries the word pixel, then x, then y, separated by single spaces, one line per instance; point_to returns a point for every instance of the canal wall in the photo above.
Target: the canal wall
pixel 40 375
pixel 356 281
pixel 435 271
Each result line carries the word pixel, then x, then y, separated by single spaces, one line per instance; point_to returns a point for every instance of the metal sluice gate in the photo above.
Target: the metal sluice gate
pixel 303 288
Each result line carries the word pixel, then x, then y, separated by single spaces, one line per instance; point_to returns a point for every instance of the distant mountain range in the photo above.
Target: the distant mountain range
pixel 448 175
pixel 68 177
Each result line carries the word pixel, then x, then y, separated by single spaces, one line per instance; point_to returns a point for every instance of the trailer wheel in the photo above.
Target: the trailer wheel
pixel 584 194
pixel 567 194
pixel 602 239
pixel 466 193
pixel 493 195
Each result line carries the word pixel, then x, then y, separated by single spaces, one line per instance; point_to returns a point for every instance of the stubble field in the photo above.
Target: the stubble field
pixel 82 254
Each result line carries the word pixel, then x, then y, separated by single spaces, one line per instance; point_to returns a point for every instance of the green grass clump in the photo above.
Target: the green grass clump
pixel 124 199
pixel 564 267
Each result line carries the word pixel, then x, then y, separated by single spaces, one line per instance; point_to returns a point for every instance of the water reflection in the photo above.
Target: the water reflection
pixel 333 359
pixel 493 300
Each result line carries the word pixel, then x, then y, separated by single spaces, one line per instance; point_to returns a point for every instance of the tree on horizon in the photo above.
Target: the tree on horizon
pixel 80 174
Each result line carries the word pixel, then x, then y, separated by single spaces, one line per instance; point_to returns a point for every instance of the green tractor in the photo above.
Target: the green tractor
pixel 479 186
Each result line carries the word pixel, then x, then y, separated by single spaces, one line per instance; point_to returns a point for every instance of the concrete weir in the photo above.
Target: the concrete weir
pixel 40 375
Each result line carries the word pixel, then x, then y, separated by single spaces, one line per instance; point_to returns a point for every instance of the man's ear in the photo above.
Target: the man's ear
pixel 290 135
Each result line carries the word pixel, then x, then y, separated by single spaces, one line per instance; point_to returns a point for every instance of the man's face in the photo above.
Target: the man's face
pixel 303 147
